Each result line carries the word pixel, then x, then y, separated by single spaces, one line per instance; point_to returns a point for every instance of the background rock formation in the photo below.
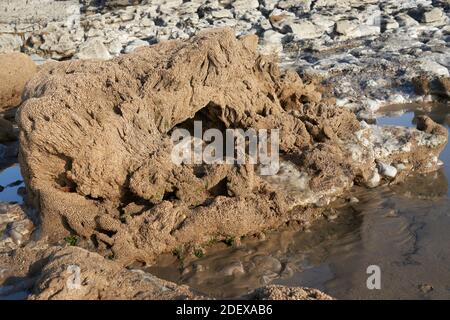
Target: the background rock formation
pixel 73 273
pixel 364 48
pixel 15 70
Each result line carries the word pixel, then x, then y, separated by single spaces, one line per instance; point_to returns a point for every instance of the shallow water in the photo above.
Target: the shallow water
pixel 439 113
pixel 11 181
pixel 403 229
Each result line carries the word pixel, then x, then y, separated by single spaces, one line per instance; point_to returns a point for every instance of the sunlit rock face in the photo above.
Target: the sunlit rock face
pixel 96 147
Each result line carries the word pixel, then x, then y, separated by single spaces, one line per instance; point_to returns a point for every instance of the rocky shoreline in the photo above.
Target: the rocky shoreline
pixel 369 50
pixel 95 134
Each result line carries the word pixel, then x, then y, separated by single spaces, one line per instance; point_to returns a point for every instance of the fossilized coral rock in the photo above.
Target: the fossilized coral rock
pixel 95 146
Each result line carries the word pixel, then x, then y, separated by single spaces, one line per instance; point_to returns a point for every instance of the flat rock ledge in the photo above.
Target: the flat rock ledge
pixel 95 147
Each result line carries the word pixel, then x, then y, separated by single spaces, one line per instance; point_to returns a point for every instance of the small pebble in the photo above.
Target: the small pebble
pixel 16 237
pixel 22 191
pixel 391 214
pixel 287 272
pixel 400 166
pixel 353 200
pixel 387 170
pixel 264 263
pixel 426 288
pixel 374 181
pixel 261 236
pixel 199 267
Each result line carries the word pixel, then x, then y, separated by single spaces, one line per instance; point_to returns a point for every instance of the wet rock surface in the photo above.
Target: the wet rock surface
pixel 7 133
pixel 395 227
pixel 274 292
pixel 369 50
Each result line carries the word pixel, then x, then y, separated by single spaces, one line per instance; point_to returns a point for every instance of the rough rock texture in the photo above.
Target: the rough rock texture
pixel 368 50
pixel 277 292
pixel 95 146
pixel 46 272
pixel 15 70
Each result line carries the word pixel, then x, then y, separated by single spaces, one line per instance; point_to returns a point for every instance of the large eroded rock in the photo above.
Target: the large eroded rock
pixel 95 146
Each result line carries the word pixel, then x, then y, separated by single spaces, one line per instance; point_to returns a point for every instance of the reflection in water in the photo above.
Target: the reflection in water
pixel 440 113
pixel 8 155
pixel 403 115
pixel 11 181
pixel 403 229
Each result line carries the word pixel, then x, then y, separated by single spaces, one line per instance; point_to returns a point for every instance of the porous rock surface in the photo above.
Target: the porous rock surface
pixel 71 273
pixel 100 279
pixel 95 146
pixel 277 292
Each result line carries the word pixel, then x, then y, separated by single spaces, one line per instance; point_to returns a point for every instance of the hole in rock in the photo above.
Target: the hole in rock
pixel 199 171
pixel 170 196
pixel 65 222
pixel 209 116
pixel 131 204
pixel 63 167
pixel 100 199
pixel 219 189
pixel 117 111
pixel 109 233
